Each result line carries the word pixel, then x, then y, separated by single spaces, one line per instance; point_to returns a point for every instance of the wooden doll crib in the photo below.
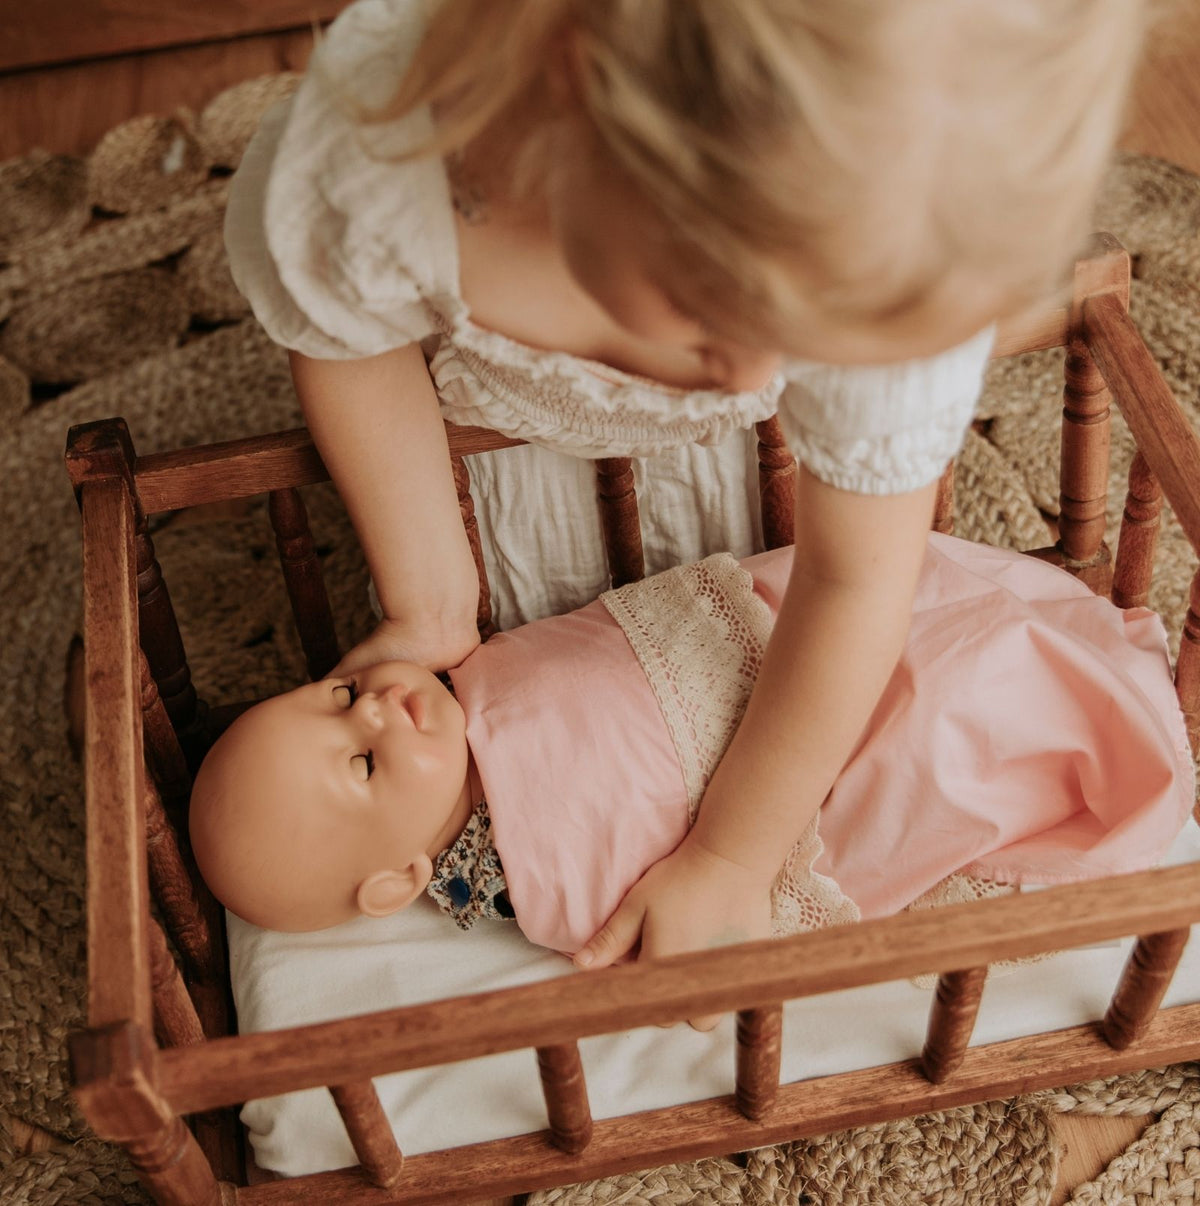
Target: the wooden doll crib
pixel 160 1047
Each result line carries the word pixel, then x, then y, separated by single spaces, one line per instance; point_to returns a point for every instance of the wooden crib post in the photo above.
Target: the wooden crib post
pixel 305 585
pixel 776 484
pixel 1146 977
pixel 619 519
pixel 466 506
pixel 1083 479
pixel 105 448
pixel 759 1046
pixel 565 1091
pixel 1139 536
pixel 113 1070
pixel 951 1021
pixel 369 1131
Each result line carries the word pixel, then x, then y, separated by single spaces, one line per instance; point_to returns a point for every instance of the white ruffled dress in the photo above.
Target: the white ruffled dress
pixel 343 252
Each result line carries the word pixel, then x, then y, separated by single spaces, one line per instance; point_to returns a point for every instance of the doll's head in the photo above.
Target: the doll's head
pixel 331 800
pixel 836 180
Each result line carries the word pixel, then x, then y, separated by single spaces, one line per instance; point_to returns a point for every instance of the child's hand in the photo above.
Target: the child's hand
pixel 395 640
pixel 690 900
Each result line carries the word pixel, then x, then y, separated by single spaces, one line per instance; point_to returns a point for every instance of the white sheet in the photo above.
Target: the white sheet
pixel 418 955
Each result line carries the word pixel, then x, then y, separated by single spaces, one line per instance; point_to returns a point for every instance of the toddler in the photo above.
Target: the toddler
pixel 624 227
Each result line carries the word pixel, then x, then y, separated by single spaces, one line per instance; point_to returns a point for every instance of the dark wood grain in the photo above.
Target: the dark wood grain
pixel 759 1049
pixel 776 484
pixel 1144 982
pixel 369 1131
pixel 118 895
pixel 565 1090
pixel 59 31
pixel 619 520
pixel 951 1021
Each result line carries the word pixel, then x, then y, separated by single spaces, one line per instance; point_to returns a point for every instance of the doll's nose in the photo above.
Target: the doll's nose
pixel 372 706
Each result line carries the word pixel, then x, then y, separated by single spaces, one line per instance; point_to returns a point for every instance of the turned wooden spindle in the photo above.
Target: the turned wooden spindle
pixel 1144 981
pixel 1083 498
pixel 943 510
pixel 161 639
pixel 175 1018
pixel 776 484
pixel 619 519
pixel 305 583
pixel 177 888
pixel 466 506
pixel 369 1131
pixel 951 1021
pixel 113 1072
pixel 164 755
pixel 1187 669
pixel 1139 536
pixel 759 1041
pixel 565 1091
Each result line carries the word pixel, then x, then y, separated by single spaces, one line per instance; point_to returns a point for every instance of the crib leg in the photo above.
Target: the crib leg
pixel 112 1068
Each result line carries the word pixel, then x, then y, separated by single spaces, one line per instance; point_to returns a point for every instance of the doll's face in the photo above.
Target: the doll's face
pixel 340 783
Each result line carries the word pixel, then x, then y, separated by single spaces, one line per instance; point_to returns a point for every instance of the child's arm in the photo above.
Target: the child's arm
pixel 841 628
pixel 377 425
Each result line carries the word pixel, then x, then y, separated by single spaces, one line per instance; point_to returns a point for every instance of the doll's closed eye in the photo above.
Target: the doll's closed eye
pixel 363 765
pixel 351 690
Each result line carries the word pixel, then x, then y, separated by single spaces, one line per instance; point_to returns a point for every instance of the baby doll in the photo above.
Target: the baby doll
pixel 1030 734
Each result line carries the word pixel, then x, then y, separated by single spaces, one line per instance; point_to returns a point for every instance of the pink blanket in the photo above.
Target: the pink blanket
pixel 1030 734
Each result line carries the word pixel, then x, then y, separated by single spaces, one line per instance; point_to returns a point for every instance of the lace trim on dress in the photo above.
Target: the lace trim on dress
pixel 698 632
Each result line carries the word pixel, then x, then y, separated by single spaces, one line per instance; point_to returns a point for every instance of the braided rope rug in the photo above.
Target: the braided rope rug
pixel 114 299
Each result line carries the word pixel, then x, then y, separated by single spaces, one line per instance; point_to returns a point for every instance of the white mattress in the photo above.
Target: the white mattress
pixel 418 955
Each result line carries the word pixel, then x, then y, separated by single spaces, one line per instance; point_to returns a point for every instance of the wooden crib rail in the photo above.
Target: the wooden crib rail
pixel 232 1070
pixel 1168 444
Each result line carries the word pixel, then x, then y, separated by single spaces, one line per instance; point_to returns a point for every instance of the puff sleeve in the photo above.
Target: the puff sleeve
pixel 883 429
pixel 342 249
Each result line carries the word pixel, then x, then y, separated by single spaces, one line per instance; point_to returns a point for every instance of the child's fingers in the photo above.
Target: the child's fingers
pixel 615 938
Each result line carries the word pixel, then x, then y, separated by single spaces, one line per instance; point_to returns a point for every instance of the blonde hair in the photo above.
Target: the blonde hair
pixel 868 155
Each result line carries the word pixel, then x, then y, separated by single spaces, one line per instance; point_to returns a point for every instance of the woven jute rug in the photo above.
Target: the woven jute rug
pixel 115 299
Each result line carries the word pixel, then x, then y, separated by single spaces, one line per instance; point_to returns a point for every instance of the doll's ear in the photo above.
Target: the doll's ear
pixel 385 892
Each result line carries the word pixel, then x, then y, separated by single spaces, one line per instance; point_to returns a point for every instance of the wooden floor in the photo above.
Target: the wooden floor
pixel 67 108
